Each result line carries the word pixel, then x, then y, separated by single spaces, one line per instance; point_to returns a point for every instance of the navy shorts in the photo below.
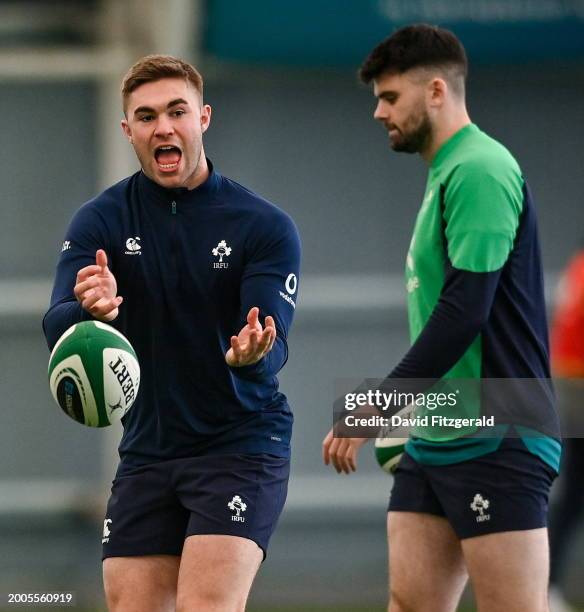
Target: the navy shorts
pixel 506 490
pixel 153 508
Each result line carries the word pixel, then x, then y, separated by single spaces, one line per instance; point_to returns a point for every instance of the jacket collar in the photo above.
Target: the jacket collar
pixel 152 191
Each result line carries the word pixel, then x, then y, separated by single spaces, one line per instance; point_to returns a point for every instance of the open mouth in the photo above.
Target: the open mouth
pixel 167 157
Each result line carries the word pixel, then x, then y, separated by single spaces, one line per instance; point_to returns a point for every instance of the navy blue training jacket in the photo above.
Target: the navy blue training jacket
pixel 189 265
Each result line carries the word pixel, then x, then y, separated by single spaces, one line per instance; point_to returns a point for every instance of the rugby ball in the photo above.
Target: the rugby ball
pixel 94 374
pixel 388 452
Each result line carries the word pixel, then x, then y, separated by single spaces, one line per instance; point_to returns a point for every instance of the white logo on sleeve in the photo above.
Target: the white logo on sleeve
pixel 290 285
pixel 221 251
pixel 66 245
pixel 133 246
pixel 480 504
pixel 238 506
pixel 106 531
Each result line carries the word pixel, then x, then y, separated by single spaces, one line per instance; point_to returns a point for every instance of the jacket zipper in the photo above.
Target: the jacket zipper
pixel 173 246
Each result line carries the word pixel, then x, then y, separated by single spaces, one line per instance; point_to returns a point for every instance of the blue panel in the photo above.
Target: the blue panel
pixel 340 33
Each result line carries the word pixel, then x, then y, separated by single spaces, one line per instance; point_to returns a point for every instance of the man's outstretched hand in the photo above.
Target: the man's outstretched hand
pixel 96 289
pixel 252 342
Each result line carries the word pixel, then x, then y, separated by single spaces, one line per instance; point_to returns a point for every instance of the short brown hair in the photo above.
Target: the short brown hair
pixel 417 46
pixel 155 67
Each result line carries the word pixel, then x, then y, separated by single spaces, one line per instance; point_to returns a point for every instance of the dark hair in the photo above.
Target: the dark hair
pixel 155 67
pixel 416 46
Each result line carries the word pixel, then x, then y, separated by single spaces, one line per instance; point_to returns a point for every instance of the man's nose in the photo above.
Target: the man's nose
pixel 380 112
pixel 164 126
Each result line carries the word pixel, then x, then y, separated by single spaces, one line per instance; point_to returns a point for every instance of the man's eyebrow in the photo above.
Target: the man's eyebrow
pixel 143 109
pixel 387 93
pixel 148 109
pixel 177 101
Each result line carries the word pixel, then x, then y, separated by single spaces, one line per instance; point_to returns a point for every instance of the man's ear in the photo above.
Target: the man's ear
pixel 437 90
pixel 205 117
pixel 127 131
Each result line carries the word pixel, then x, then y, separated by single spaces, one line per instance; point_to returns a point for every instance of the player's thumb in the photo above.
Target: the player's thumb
pixel 101 260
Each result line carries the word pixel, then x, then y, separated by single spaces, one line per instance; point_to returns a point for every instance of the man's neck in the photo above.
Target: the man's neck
pixel 442 132
pixel 200 175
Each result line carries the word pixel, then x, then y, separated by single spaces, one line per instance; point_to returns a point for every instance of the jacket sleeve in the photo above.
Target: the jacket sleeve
pixel 85 235
pixel 459 315
pixel 270 281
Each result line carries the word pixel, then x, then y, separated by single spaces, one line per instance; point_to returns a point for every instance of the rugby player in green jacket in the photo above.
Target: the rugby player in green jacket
pixel 464 505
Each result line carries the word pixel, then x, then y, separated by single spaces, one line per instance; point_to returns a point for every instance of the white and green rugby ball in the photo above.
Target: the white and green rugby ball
pixel 94 374
pixel 388 452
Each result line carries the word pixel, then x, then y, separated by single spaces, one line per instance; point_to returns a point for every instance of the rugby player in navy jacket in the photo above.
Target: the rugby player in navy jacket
pixel 201 275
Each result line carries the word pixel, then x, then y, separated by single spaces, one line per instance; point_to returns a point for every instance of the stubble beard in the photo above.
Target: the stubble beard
pixel 415 139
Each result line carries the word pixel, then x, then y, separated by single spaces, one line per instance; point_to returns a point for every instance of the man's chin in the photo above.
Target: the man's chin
pixel 401 146
pixel 396 143
pixel 170 182
pixel 167 179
